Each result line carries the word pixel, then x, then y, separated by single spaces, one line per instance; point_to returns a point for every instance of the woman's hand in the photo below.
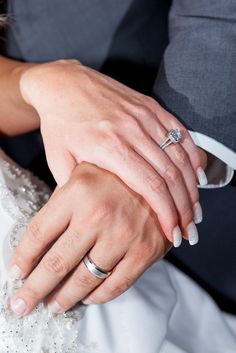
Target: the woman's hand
pixel 95 213
pixel 87 116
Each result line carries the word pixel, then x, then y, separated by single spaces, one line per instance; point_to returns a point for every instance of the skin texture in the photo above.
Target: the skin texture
pixel 93 212
pixel 87 116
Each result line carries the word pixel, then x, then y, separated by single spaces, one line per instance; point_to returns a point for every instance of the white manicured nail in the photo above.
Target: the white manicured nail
pixel 202 178
pixel 54 307
pixel 15 272
pixel 177 237
pixel 192 232
pixel 197 210
pixel 87 302
pixel 18 306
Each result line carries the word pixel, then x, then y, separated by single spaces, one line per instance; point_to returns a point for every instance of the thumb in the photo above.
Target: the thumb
pixel 61 163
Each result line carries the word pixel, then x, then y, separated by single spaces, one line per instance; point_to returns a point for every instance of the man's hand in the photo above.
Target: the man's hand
pixel 87 116
pixel 95 213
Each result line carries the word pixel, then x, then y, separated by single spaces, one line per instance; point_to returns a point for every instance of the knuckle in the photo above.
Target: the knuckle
pixel 171 175
pixel 152 104
pixel 147 250
pixel 55 264
pixel 116 142
pixel 74 61
pixel 67 61
pixel 76 232
pixel 34 231
pixel 30 293
pixel 118 148
pixel 149 100
pixel 156 183
pixel 81 183
pixel 84 279
pixel 181 157
pixel 186 213
pixel 70 240
pixel 101 213
pixel 143 110
pixel 126 229
pixel 133 123
pixel 106 125
pixel 111 140
pixel 61 61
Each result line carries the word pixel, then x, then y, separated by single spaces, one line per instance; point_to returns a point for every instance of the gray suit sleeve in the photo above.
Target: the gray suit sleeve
pixel 197 78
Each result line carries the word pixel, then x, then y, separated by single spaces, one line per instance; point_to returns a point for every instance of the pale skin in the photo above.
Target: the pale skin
pixel 93 212
pixel 87 116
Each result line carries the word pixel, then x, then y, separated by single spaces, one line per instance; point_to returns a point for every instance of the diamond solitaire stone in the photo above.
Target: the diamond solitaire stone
pixel 175 135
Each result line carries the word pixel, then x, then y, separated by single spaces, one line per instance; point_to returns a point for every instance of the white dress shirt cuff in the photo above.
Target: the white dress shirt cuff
pixel 220 171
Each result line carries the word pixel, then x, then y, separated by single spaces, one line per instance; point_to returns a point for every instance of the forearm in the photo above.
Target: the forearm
pixel 16 116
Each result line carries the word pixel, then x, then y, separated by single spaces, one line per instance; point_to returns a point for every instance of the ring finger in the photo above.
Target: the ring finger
pixel 180 158
pixel 82 282
pixel 60 260
pixel 174 177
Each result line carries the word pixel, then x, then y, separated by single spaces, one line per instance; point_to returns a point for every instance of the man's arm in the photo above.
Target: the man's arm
pixel 195 81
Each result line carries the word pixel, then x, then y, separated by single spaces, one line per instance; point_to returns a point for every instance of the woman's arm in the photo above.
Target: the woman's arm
pixel 16 116
pixel 88 116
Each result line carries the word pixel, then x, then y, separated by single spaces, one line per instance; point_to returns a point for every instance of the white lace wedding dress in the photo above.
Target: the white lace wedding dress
pixel 164 312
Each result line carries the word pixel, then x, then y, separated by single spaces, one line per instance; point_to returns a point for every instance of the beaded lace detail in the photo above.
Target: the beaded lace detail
pixel 21 196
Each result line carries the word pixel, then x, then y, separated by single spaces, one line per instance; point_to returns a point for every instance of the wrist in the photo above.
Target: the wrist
pixel 18 97
pixel 42 85
pixel 19 74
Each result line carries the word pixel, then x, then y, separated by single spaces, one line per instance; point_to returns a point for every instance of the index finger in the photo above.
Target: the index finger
pixel 41 232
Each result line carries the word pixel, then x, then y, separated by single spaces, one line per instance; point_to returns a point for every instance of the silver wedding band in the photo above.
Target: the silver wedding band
pixel 94 269
pixel 174 136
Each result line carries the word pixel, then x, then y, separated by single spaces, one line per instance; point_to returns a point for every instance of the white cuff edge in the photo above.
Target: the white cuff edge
pixel 215 147
pixel 221 152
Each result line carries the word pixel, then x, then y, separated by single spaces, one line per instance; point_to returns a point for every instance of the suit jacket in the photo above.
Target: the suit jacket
pixel 127 38
pixel 192 72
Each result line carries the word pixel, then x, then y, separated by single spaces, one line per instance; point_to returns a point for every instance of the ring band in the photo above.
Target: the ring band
pixel 174 136
pixel 94 269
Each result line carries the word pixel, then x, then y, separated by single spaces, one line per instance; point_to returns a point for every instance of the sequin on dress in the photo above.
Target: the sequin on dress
pixel 21 196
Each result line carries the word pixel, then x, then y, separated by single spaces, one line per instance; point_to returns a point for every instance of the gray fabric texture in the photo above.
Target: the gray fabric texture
pixel 196 81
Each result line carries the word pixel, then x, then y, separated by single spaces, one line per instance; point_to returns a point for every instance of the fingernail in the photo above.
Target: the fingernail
pixel 177 237
pixel 197 210
pixel 192 232
pixel 202 178
pixel 87 302
pixel 55 307
pixel 18 306
pixel 15 272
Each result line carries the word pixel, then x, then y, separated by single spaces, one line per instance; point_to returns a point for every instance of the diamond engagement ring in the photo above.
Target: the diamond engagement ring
pixel 94 269
pixel 174 136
